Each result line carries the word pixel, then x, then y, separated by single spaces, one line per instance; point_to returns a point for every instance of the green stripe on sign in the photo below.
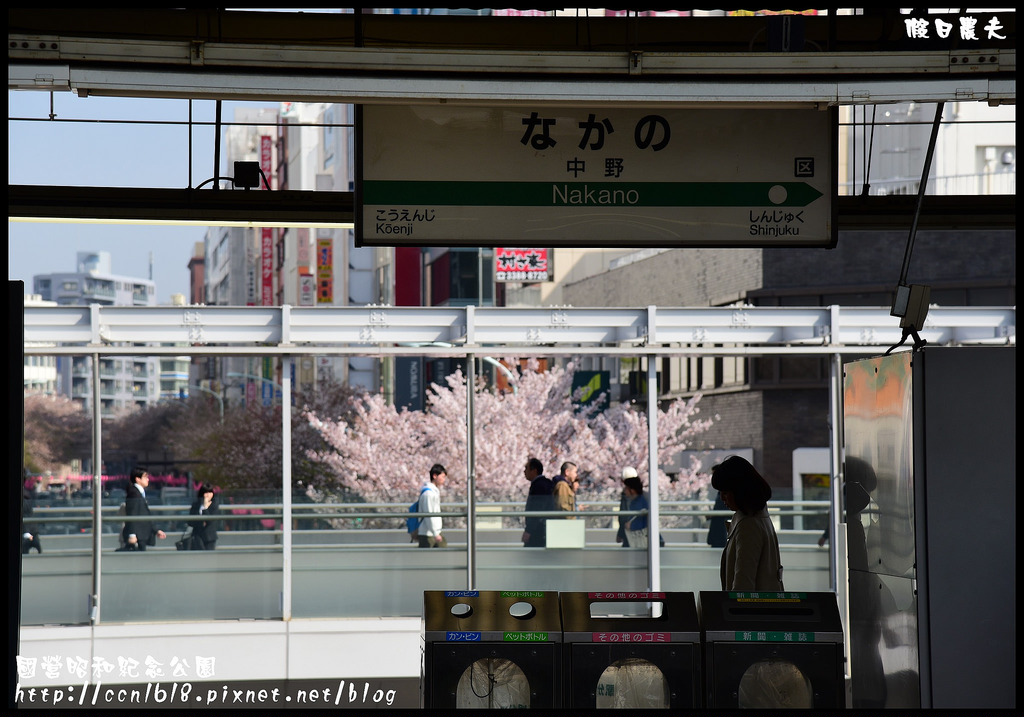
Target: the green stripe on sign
pixel 589 194
pixel 525 637
pixel 773 636
pixel 521 594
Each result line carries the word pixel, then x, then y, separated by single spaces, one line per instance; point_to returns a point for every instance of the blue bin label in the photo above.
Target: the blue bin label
pixel 462 593
pixel 462 637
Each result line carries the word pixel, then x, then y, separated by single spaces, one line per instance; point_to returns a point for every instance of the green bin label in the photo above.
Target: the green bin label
pixel 521 594
pixel 767 597
pixel 525 637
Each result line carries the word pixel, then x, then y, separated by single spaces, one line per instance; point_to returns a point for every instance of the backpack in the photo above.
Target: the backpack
pixel 413 524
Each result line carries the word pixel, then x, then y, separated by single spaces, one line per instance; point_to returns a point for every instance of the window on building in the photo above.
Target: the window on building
pixel 465 276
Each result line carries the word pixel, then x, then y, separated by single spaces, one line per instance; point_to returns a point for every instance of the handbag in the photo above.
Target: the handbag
pixel 637 538
pixel 185 542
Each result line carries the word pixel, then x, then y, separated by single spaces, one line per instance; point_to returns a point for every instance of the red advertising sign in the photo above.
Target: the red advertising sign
pixel 267 233
pixel 526 265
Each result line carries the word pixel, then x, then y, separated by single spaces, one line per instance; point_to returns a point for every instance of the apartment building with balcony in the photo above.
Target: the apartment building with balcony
pixel 125 382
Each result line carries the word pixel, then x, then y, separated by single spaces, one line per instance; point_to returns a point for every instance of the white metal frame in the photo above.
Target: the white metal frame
pixel 450 331
pixel 476 332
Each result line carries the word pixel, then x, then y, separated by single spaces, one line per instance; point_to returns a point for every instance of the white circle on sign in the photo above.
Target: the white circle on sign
pixel 777 194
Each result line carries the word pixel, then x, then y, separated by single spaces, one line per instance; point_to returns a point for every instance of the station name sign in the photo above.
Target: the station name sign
pixel 594 176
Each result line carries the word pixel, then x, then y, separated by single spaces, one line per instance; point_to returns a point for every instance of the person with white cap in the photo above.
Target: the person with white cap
pixel 621 537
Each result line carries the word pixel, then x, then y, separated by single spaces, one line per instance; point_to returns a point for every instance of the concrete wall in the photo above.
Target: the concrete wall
pixel 867 260
pixel 681 277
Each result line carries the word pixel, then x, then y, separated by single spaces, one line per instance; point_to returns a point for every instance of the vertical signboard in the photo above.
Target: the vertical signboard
pixel 324 270
pixel 595 176
pixel 266 233
pixel 409 382
pixel 302 258
pixel 307 374
pixel 307 289
pixel 304 262
pixel 252 270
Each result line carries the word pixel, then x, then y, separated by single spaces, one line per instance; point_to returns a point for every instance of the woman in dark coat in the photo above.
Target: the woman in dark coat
pixel 204 531
pixel 751 560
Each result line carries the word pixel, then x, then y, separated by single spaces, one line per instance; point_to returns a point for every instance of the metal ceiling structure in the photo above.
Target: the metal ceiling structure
pixel 820 61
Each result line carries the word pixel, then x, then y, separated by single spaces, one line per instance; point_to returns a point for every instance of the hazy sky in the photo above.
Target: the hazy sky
pixel 137 154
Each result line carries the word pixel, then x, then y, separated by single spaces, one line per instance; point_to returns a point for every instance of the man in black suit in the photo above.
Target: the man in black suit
pixel 139 533
pixel 540 498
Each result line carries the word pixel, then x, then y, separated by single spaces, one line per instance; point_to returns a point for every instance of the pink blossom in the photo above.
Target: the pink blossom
pixel 384 454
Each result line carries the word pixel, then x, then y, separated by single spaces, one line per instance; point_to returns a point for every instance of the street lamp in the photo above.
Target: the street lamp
pixel 489 359
pixel 220 399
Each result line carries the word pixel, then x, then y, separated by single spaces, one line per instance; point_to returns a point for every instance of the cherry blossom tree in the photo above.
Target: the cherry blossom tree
pixel 242 452
pixel 383 454
pixel 57 431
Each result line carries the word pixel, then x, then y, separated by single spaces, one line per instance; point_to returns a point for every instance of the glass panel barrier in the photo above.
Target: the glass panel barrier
pixel 356 560
pixel 236 576
pixel 56 568
pixel 580 552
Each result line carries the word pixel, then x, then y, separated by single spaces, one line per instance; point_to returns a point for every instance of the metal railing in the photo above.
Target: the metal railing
pixel 356 560
pixel 671 511
pixel 983 183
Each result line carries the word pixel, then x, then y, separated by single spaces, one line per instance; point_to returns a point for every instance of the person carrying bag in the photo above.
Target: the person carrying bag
pixel 636 527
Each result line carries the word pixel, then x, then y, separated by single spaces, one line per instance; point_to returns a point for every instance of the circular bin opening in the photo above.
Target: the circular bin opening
pixel 633 683
pixel 493 683
pixel 461 609
pixel 522 610
pixel 774 683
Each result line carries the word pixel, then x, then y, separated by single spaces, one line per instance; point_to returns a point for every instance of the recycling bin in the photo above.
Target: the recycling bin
pixel 491 649
pixel 772 650
pixel 630 650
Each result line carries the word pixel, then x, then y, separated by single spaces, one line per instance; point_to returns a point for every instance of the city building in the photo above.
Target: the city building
pixel 175 380
pixel 40 371
pixel 126 383
pixel 299 146
pixel 197 274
